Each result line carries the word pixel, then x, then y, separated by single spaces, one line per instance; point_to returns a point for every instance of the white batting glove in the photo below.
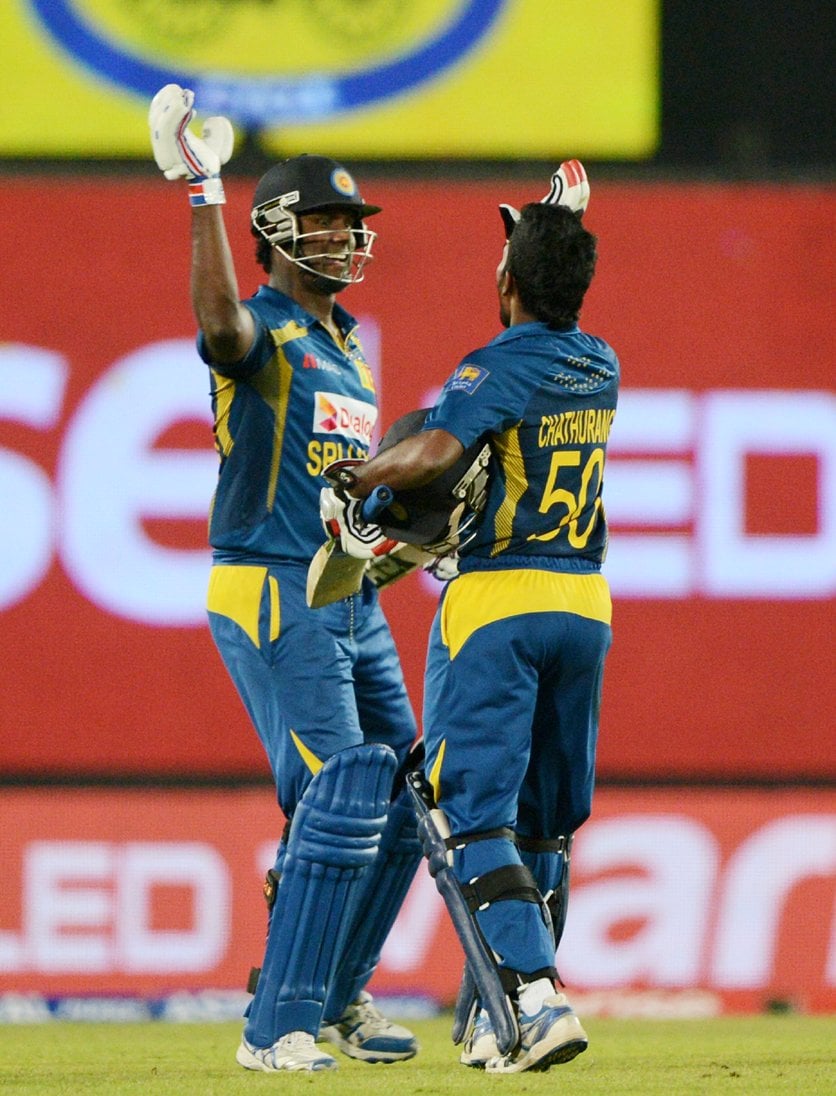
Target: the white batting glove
pixel 341 516
pixel 569 187
pixel 180 154
pixel 443 567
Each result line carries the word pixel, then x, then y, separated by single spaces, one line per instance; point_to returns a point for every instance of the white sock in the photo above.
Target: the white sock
pixel 532 996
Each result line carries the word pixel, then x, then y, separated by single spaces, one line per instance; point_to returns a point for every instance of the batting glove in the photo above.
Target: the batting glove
pixel 339 473
pixel 569 187
pixel 443 567
pixel 180 154
pixel 342 517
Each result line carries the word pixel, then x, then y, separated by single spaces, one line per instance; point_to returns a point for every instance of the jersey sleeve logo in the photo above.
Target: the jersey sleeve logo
pixel 466 378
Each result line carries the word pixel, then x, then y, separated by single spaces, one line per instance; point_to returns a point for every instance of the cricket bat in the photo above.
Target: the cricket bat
pixel 332 573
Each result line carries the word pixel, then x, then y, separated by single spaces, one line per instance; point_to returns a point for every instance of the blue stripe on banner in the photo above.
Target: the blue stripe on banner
pixel 271 100
pixel 201 1006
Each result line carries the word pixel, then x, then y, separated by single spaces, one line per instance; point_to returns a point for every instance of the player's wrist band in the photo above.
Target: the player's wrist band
pixel 207 192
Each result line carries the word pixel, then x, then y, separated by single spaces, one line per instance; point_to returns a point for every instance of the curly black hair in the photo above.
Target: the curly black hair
pixel 263 250
pixel 551 257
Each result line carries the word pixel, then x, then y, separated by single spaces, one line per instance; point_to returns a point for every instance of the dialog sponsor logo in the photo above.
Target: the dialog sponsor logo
pixel 336 414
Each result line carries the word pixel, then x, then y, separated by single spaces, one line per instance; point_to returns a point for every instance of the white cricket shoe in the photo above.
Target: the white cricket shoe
pixel 480 1043
pixel 294 1052
pixel 550 1036
pixel 363 1032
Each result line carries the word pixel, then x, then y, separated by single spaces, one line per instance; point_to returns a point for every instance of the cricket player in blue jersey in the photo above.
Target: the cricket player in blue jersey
pixel 291 393
pixel 517 649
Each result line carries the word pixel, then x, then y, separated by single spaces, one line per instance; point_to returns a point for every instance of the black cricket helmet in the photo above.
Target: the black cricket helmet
pixel 304 184
pixel 442 515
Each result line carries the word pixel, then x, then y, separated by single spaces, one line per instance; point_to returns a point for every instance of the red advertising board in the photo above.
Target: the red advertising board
pixel 720 901
pixel 720 483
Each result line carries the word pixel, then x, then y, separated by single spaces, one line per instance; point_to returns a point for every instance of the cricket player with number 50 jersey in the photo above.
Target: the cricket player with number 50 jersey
pixel 292 393
pixel 517 649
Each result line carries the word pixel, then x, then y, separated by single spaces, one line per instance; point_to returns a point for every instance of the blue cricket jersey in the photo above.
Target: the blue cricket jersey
pixel 295 403
pixel 545 400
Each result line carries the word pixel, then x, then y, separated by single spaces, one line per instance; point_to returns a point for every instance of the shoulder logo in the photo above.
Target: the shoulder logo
pixel 466 378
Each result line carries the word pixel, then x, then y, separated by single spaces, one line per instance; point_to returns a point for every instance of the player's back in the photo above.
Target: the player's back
pixel 544 505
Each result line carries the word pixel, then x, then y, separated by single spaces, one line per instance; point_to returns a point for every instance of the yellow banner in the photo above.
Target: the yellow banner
pixel 364 79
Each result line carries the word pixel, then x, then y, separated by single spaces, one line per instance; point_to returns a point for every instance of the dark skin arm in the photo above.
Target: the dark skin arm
pixel 411 463
pixel 227 326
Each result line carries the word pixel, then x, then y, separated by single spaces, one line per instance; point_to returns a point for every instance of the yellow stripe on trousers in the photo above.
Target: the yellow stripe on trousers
pixel 477 598
pixel 235 592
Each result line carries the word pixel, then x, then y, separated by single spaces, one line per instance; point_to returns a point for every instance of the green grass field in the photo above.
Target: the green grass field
pixel 746 1056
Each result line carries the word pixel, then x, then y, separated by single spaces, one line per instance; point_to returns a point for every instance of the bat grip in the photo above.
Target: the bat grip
pixel 376 502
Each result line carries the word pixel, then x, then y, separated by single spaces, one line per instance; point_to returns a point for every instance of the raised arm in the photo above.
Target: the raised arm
pixel 227 325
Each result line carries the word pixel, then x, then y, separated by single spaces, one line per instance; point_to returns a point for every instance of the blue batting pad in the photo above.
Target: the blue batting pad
pixel 384 889
pixel 333 842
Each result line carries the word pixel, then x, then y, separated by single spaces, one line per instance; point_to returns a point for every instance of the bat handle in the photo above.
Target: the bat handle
pixel 376 502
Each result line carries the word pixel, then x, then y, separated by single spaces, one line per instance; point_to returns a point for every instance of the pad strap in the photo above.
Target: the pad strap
pixel 561 845
pixel 459 840
pixel 513 979
pixel 511 881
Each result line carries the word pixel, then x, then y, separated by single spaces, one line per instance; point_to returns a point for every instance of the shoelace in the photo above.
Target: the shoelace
pixel 367 1013
pixel 299 1040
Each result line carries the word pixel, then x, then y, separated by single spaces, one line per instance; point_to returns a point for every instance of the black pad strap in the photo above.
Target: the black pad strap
pixel 513 979
pixel 413 762
pixel 510 882
pixel 459 840
pixel 252 980
pixel 560 844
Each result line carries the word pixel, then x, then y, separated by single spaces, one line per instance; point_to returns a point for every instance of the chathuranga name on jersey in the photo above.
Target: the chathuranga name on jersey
pixel 588 427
